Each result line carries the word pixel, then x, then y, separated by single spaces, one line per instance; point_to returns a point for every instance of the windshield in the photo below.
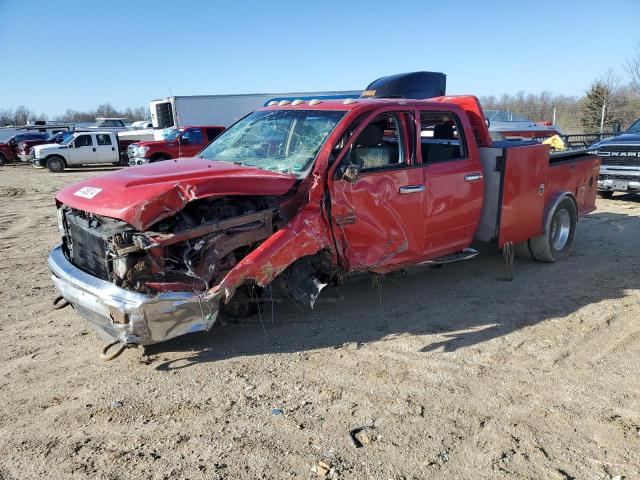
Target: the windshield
pixel 635 127
pixel 284 141
pixel 67 140
pixel 170 134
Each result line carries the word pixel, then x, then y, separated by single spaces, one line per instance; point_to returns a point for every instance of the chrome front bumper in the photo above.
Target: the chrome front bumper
pixel 138 161
pixel 131 317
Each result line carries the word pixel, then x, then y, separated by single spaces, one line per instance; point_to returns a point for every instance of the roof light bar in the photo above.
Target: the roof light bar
pixel 349 101
pixel 297 102
pixel 313 102
pixel 282 103
pixel 272 103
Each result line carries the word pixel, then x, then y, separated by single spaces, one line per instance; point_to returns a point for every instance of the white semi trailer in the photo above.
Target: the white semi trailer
pixel 223 110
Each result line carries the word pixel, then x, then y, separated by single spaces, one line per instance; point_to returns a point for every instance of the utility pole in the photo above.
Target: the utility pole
pixel 554 116
pixel 604 105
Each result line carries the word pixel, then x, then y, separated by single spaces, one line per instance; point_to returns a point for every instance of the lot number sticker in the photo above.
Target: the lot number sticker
pixel 88 192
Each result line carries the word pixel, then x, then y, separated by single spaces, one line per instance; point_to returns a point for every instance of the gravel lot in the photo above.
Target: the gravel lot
pixel 456 372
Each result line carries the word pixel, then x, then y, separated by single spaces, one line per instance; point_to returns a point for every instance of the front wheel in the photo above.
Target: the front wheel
pixel 2 160
pixel 556 243
pixel 605 193
pixel 56 164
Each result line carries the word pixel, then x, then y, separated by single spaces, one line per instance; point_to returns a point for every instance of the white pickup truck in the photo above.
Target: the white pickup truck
pixel 81 148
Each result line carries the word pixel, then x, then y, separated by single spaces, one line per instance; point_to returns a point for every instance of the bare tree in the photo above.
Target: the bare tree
pixel 632 66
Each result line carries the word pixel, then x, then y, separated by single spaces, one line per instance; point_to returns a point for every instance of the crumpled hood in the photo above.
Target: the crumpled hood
pixel 145 194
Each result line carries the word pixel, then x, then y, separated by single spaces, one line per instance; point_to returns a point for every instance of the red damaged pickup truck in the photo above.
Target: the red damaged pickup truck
pixel 176 143
pixel 303 193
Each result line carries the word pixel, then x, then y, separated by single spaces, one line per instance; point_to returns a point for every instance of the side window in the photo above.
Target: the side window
pixel 380 144
pixel 103 139
pixel 194 135
pixel 83 141
pixel 212 133
pixel 441 137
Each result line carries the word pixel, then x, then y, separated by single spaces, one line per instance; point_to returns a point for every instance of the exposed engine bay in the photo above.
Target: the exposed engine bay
pixel 188 251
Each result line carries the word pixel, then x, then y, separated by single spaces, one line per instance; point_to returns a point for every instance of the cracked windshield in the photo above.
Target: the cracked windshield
pixel 283 141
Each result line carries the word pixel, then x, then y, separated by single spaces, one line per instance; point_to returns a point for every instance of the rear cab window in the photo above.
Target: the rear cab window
pixel 103 139
pixel 441 137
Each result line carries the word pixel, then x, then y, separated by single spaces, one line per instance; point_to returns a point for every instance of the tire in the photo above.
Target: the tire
pixel 2 160
pixel 56 164
pixel 605 193
pixel 556 242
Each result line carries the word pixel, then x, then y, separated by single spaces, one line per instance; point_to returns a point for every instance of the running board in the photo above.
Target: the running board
pixel 465 254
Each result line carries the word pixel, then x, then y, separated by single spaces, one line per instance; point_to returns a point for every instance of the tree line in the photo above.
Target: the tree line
pixel 22 114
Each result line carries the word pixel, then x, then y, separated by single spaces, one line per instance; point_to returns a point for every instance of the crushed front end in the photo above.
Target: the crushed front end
pixel 144 287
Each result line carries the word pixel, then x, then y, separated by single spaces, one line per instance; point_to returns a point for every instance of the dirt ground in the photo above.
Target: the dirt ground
pixel 455 372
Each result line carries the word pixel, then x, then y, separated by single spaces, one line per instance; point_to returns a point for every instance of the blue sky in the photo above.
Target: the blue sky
pixel 78 54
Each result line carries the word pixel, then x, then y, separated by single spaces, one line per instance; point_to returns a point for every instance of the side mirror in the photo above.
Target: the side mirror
pixel 183 141
pixel 352 172
pixel 71 145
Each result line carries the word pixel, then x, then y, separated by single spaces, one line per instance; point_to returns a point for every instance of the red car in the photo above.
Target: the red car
pixel 24 147
pixel 176 143
pixel 304 193
pixel 9 149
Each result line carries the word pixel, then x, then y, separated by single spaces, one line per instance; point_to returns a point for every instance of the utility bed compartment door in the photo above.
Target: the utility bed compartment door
pixel 523 193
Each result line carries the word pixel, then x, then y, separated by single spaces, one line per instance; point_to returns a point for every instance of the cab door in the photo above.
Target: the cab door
pixel 191 142
pixel 106 151
pixel 83 150
pixel 453 180
pixel 377 218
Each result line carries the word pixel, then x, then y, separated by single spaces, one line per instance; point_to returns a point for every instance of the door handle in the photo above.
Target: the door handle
pixel 412 189
pixel 94 149
pixel 473 177
pixel 113 149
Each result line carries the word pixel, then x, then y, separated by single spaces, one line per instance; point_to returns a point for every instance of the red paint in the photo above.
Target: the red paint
pixel 526 173
pixel 366 225
pixel 175 149
pixel 143 195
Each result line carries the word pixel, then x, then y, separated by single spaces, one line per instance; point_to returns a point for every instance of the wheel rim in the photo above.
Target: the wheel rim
pixel 560 228
pixel 56 164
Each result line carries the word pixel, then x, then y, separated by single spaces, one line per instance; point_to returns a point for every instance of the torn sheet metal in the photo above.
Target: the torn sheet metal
pixel 146 194
pixel 131 317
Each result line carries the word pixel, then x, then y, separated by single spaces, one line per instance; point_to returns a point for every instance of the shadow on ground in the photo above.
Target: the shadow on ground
pixel 460 305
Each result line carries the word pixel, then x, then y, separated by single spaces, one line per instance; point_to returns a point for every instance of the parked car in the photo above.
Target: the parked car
pixel 9 149
pixel 107 124
pixel 305 193
pixel 620 170
pixel 80 148
pixel 24 148
pixel 141 125
pixel 176 143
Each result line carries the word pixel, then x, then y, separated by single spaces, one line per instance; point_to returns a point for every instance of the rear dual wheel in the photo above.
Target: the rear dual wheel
pixel 556 242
